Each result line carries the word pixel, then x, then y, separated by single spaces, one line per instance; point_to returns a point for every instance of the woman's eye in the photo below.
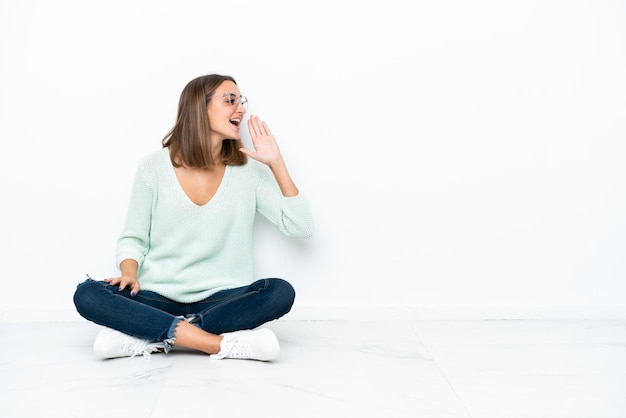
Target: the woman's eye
pixel 231 99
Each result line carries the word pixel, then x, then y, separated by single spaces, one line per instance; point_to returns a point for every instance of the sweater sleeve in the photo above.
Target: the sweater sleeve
pixel 134 240
pixel 292 215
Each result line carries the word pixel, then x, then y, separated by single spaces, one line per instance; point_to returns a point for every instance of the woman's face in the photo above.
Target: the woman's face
pixel 225 111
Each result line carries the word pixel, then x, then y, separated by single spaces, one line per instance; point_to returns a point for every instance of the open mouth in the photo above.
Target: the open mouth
pixel 235 122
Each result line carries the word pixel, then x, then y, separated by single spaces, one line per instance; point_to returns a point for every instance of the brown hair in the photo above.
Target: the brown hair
pixel 188 139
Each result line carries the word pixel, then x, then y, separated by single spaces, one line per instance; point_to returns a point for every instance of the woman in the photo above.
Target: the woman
pixel 185 253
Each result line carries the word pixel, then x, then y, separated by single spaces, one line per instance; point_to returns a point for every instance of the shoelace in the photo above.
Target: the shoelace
pixel 238 350
pixel 138 347
pixel 232 349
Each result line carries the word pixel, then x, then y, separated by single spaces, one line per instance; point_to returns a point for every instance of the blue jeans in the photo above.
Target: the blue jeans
pixel 153 317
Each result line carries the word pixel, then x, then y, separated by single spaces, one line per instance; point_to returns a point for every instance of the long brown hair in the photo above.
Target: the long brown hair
pixel 188 139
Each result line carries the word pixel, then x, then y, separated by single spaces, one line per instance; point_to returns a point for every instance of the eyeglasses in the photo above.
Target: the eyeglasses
pixel 235 100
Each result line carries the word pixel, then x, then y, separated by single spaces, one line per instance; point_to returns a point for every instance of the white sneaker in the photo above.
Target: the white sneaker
pixel 256 344
pixel 110 343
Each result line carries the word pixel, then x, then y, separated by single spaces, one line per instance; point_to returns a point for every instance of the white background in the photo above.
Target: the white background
pixel 463 159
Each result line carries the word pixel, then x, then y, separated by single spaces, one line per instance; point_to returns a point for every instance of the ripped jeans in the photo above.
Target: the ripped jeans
pixel 153 317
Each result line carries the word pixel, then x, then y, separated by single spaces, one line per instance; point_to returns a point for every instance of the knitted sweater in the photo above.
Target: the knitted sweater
pixel 187 252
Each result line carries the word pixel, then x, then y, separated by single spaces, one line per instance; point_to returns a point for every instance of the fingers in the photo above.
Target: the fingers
pixel 257 127
pixel 265 147
pixel 266 128
pixel 124 282
pixel 253 126
pixel 113 280
pixel 135 289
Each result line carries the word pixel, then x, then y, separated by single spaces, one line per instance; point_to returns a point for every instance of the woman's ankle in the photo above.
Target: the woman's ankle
pixel 191 336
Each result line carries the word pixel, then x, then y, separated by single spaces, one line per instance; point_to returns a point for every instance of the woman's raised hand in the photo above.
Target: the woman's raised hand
pixel 265 147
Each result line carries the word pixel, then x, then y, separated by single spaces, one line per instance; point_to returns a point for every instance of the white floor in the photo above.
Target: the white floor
pixel 389 369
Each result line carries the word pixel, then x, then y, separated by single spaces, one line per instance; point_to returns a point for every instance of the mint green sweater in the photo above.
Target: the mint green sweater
pixel 187 252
